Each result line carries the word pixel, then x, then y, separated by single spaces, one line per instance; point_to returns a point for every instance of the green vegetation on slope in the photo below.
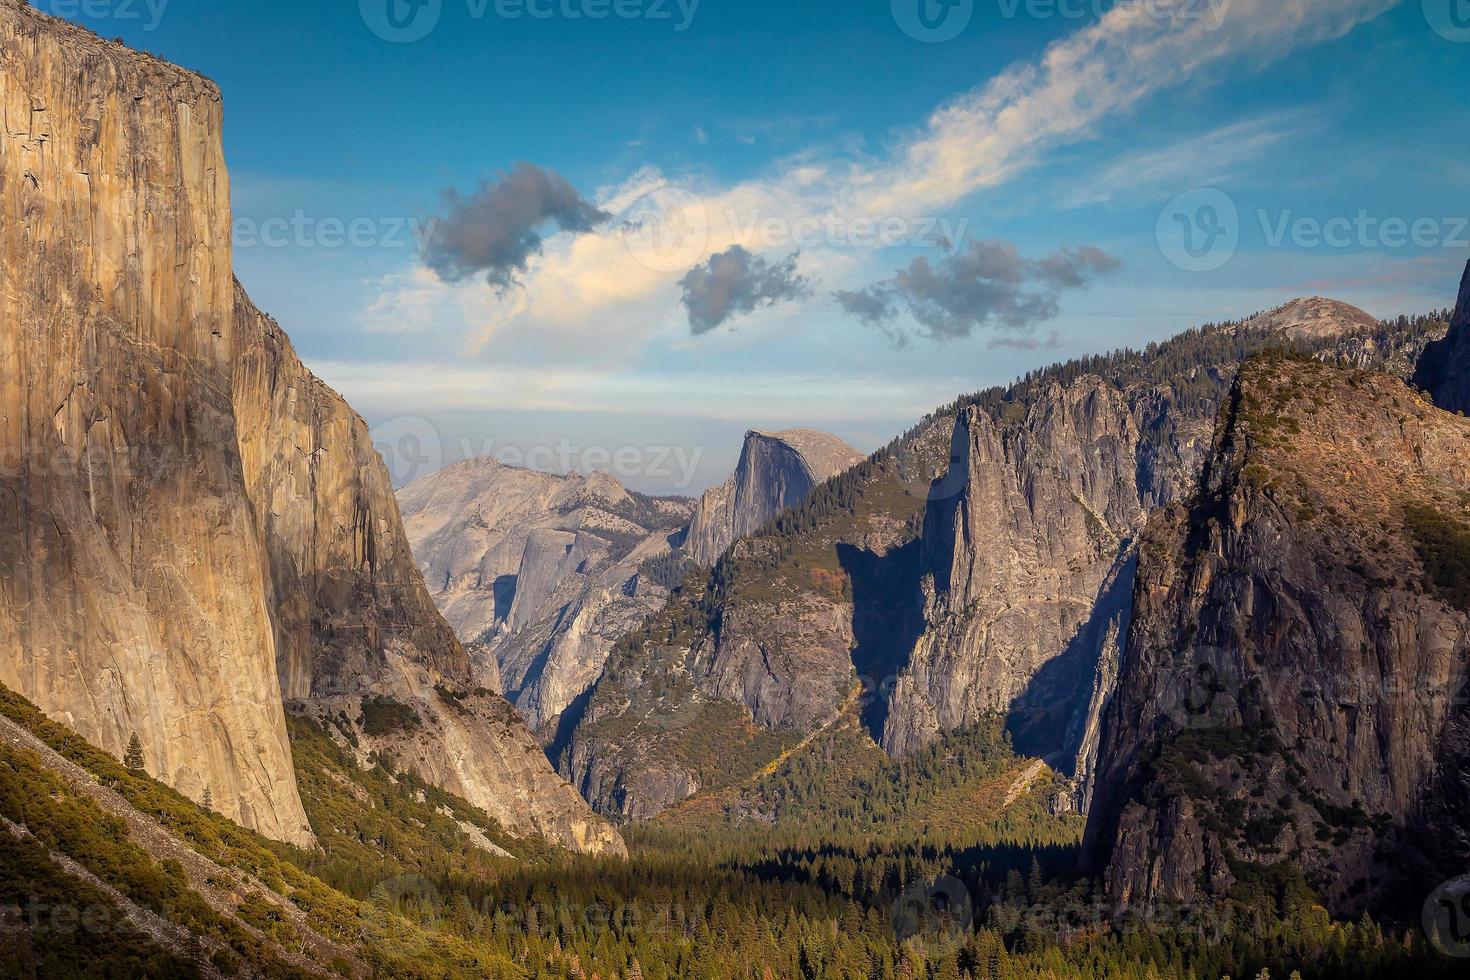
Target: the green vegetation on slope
pixel 957 792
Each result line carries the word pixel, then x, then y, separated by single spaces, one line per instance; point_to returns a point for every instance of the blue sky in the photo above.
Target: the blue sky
pixel 1062 148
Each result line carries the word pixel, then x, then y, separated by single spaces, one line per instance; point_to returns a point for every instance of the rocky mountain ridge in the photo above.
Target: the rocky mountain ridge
pixel 1293 683
pixel 777 471
pixel 542 574
pixel 983 563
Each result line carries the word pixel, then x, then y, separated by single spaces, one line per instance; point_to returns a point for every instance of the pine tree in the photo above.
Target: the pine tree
pixel 208 798
pixel 133 758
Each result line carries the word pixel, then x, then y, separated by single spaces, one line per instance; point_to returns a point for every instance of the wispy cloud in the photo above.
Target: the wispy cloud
pixel 1203 159
pixel 383 389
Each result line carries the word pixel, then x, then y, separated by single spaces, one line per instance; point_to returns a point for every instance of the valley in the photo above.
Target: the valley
pixel 1148 664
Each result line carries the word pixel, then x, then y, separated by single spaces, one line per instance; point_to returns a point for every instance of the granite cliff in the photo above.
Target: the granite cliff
pixel 1444 371
pixel 197 528
pixel 133 584
pixel 542 574
pixel 1293 687
pixel 776 472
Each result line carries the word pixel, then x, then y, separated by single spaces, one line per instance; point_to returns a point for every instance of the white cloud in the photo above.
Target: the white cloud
pixel 592 296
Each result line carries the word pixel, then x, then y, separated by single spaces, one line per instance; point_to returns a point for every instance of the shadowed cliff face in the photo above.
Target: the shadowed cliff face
pixel 353 618
pixel 776 472
pixel 195 523
pixel 1444 371
pixel 1293 684
pixel 1019 562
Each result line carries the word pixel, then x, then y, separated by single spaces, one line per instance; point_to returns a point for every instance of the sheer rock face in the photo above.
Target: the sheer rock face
pixel 777 471
pixel 1030 571
pixel 133 584
pixel 1294 679
pixel 1444 371
pixel 354 619
pixel 540 574
pixel 196 525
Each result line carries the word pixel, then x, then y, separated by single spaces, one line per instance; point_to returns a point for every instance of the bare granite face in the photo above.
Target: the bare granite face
pixel 1293 688
pixel 540 574
pixel 132 581
pixel 776 472
pixel 195 524
pixel 1030 571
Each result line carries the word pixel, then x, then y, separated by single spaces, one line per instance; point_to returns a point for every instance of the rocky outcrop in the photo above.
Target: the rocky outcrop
pixel 776 472
pixel 1293 684
pixel 1029 571
pixel 786 636
pixel 133 581
pixel 197 525
pixel 1313 319
pixel 355 624
pixel 1444 371
pixel 540 574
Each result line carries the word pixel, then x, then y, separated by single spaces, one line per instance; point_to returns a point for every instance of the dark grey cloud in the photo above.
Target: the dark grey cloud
pixel 495 231
pixel 735 282
pixel 983 285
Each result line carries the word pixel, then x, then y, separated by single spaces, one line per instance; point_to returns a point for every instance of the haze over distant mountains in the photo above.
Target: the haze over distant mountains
pixel 542 574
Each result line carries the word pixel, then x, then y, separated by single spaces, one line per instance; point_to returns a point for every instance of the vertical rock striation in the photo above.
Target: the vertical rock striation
pixel 1029 571
pixel 133 585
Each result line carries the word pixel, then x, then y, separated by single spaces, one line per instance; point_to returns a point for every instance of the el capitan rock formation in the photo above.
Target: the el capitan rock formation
pixel 194 523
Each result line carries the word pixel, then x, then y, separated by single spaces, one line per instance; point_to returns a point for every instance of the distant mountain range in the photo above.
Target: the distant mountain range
pixel 541 574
